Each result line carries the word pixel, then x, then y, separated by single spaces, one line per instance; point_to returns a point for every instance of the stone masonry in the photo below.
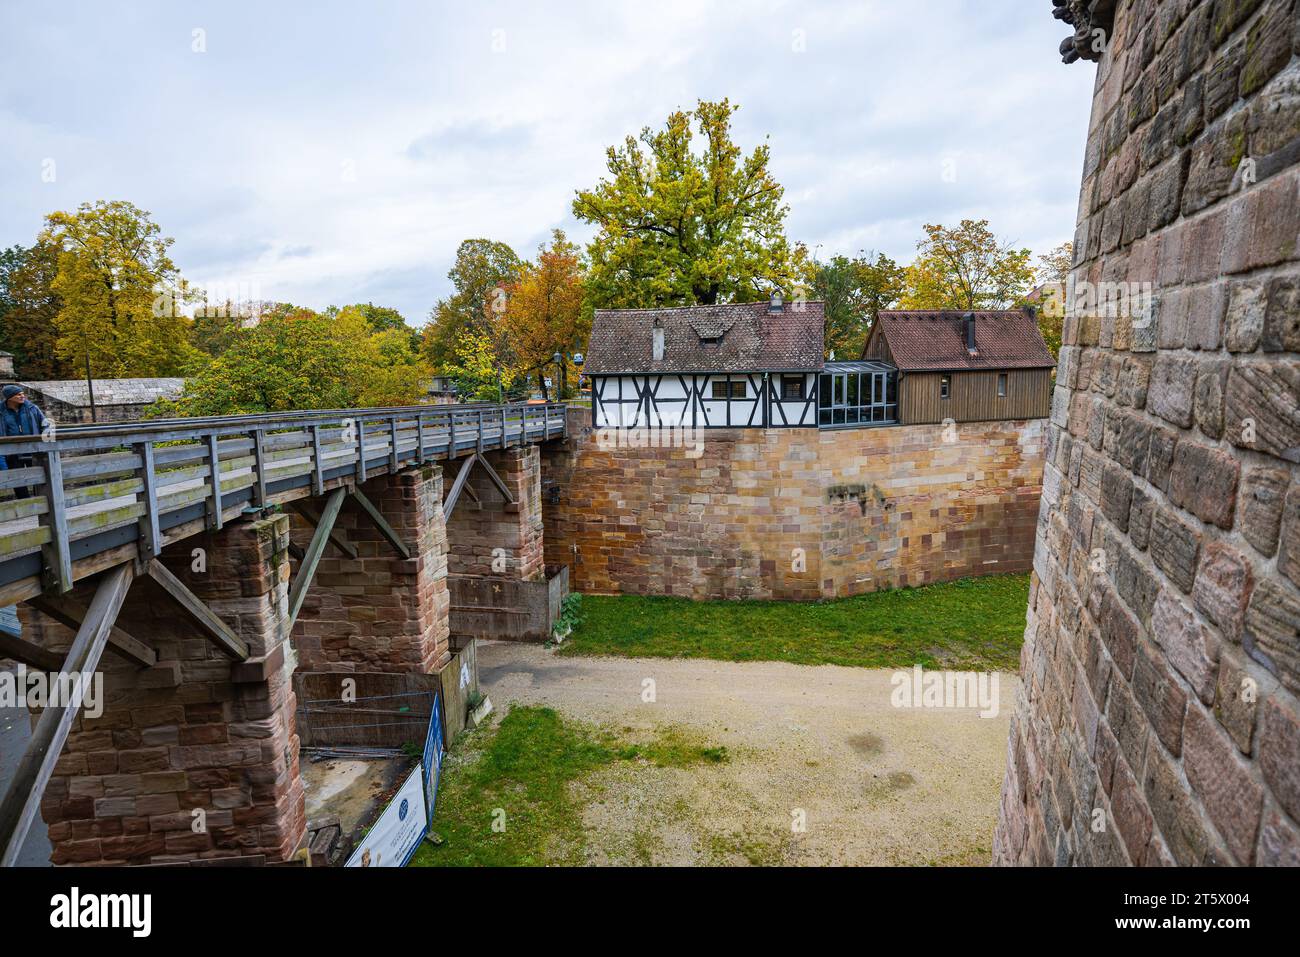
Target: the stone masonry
pixel 491 537
pixel 380 612
pixel 792 513
pixel 1158 720
pixel 184 763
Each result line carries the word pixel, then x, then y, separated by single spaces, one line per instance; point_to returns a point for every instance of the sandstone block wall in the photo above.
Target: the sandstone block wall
pixel 793 513
pixel 1158 720
pixel 490 537
pixel 380 612
pixel 181 735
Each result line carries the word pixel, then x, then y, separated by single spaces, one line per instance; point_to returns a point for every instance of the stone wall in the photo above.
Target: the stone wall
pixel 380 612
pixel 791 513
pixel 486 535
pixel 1158 720
pixel 181 736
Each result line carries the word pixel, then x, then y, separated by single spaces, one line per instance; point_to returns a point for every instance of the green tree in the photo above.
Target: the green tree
pixel 680 227
pixel 294 358
pixel 1049 298
pixel 854 291
pixel 482 267
pixel 28 309
pixel 478 374
pixel 122 297
pixel 966 268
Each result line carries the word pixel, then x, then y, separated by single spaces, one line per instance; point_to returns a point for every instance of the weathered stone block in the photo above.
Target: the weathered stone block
pixel 1224 582
pixel 1263 491
pixel 1271 635
pixel 1223 782
pixel 1279 751
pixel 1172 391
pixel 1262 407
pixel 1189 645
pixel 1235 702
pixel 1175 546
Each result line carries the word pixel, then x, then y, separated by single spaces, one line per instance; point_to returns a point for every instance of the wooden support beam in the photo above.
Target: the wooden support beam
pixel 19 806
pixel 259 468
pixel 72 614
pixel 380 523
pixel 212 627
pixel 317 464
pixel 307 570
pixel 496 480
pixel 337 538
pixel 449 503
pixel 33 656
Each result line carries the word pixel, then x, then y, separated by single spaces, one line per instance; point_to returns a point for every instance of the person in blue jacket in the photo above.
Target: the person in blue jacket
pixel 19 416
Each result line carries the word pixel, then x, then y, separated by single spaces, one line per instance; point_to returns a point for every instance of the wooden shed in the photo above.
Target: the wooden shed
pixel 964 366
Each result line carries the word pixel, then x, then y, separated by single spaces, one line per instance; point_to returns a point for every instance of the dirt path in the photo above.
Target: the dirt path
pixel 875 784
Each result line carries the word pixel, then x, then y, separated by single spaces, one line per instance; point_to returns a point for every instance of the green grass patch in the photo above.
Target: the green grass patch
pixel 506 797
pixel 975 623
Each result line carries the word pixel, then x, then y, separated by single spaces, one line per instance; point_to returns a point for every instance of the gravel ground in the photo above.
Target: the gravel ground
pixel 874 784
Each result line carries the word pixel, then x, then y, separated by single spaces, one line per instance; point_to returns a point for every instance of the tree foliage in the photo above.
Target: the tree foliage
pixel 482 267
pixel 476 370
pixel 966 268
pixel 854 291
pixel 547 311
pixel 680 227
pixel 1053 274
pixel 28 309
pixel 293 358
pixel 122 299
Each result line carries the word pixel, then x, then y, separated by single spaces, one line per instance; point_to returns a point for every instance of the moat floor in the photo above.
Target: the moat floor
pixel 873 783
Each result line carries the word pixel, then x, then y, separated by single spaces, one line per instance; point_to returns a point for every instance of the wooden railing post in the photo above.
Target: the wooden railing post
pixel 318 465
pixel 214 469
pixel 392 445
pixel 57 551
pixel 259 467
pixel 419 438
pixel 150 537
pixel 361 451
pixel 480 431
pixel 451 435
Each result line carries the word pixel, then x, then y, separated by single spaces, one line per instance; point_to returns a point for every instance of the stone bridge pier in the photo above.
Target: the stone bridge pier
pixel 195 753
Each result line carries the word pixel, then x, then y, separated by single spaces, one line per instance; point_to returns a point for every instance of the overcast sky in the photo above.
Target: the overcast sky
pixel 338 152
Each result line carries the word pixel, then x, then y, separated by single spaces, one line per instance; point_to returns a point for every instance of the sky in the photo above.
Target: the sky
pixel 327 153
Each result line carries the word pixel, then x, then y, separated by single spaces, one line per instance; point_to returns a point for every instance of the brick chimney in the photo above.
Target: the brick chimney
pixel 970 333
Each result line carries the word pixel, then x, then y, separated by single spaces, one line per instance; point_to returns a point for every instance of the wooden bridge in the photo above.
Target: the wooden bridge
pixel 99 496
pixel 102 502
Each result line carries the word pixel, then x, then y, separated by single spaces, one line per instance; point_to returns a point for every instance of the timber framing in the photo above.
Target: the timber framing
pixel 336 536
pixel 459 484
pixel 386 530
pixel 22 800
pixel 312 556
pixel 213 628
pixel 71 614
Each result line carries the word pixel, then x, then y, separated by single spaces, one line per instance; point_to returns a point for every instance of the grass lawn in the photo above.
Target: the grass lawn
pixel 975 623
pixel 505 799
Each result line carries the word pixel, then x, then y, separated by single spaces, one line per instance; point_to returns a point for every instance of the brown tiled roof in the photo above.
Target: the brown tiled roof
pixel 753 340
pixel 923 340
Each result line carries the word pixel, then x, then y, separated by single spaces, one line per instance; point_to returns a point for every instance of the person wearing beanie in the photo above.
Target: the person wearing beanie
pixel 19 416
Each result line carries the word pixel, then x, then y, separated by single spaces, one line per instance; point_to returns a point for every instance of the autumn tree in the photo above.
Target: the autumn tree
pixel 1049 298
pixel 122 299
pixel 28 309
pixel 477 370
pixel 679 226
pixel 966 268
pixel 479 276
pixel 854 291
pixel 547 312
pixel 294 358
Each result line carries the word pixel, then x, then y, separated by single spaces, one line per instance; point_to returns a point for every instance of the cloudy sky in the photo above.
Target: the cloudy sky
pixel 331 152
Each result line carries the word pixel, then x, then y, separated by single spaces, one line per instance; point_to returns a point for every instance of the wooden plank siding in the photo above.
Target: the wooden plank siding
pixel 974 396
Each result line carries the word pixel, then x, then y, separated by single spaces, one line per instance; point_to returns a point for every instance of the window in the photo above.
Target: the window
pixel 723 389
pixel 945 386
pixel 857 398
pixel 710 340
pixel 792 387
pixel 1002 385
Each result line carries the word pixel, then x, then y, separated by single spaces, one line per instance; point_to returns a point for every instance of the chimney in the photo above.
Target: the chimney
pixel 657 342
pixel 776 303
pixel 970 333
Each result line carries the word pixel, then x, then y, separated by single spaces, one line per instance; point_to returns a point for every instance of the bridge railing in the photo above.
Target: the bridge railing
pixel 123 490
